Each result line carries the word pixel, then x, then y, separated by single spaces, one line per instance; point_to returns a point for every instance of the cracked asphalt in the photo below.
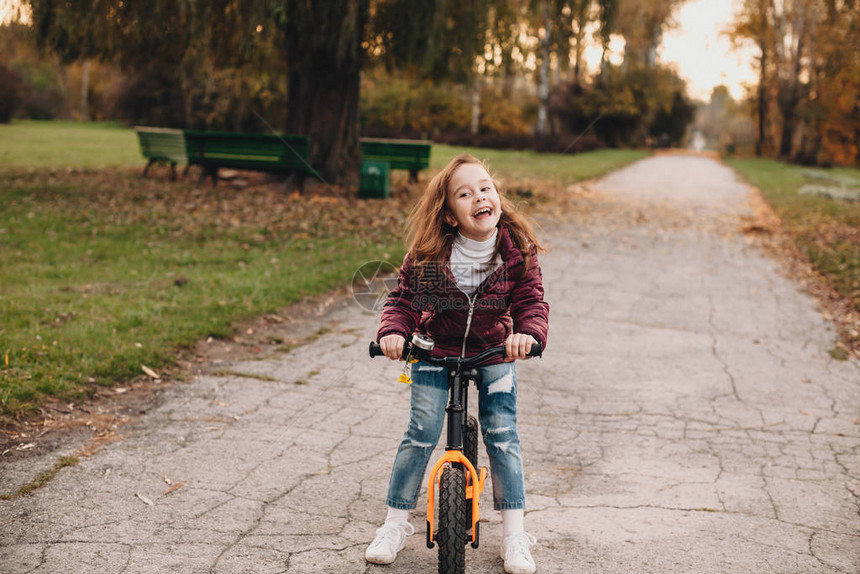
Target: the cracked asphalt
pixel 686 417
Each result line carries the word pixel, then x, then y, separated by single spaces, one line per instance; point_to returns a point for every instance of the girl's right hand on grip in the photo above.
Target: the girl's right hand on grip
pixel 392 346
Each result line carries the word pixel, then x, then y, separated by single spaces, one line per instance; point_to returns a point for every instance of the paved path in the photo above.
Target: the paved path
pixel 686 418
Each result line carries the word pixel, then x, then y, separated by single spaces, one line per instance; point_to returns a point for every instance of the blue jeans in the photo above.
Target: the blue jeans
pixel 497 412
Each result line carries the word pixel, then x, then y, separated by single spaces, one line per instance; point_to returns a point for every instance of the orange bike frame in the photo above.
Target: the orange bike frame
pixel 473 480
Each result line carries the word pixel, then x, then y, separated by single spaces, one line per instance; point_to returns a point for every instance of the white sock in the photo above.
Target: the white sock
pixel 397 515
pixel 513 521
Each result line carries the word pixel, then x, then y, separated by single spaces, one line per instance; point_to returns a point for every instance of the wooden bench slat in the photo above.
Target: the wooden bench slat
pixel 161 145
pixel 259 152
pixel 411 155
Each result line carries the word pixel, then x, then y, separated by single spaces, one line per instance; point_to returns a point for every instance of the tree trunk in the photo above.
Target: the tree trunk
pixel 240 101
pixel 543 77
pixel 762 105
pixel 323 105
pixel 476 106
pixel 324 83
pixel 789 124
pixel 790 102
pixel 579 38
pixel 85 90
pixel 761 140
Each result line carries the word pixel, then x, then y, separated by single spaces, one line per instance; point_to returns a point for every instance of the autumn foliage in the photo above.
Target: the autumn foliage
pixel 806 100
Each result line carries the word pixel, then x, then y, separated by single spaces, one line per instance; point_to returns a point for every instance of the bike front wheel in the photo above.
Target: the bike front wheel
pixel 452 521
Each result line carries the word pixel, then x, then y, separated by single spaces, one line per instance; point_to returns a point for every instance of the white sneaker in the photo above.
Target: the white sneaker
pixel 390 539
pixel 515 552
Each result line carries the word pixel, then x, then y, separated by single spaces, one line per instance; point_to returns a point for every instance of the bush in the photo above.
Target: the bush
pixel 11 93
pixel 43 104
pixel 403 106
pixel 505 114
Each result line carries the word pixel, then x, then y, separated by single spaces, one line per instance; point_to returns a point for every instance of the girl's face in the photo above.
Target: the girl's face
pixel 474 202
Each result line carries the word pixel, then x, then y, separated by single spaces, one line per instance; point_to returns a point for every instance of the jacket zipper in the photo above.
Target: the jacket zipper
pixel 468 322
pixel 472 305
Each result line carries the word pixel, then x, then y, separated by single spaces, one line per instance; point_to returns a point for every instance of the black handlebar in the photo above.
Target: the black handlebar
pixel 376 351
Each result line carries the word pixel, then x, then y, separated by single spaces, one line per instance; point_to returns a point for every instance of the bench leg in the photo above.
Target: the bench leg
pixel 173 171
pixel 413 176
pixel 148 165
pixel 208 172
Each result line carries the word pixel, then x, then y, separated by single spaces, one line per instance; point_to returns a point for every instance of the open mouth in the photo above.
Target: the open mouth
pixel 484 212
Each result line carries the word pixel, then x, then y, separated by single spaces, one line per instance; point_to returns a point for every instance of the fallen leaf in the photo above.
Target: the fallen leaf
pixel 27 446
pixel 174 488
pixel 120 390
pixel 149 372
pixel 167 480
pixel 144 499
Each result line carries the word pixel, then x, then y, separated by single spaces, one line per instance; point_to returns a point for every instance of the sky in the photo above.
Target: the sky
pixel 702 55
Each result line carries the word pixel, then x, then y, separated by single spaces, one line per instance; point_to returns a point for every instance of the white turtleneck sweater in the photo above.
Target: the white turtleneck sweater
pixel 470 261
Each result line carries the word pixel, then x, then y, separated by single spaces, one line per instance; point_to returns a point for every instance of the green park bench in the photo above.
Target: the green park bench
pixel 411 155
pixel 161 145
pixel 274 153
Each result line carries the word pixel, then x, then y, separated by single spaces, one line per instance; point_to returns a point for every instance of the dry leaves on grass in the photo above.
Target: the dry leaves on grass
pixel 262 211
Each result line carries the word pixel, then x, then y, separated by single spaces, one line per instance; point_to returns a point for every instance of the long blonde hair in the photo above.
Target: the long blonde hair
pixel 429 235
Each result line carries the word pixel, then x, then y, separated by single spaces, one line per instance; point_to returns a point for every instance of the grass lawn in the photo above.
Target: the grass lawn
pixel 56 144
pixel 103 271
pixel 826 230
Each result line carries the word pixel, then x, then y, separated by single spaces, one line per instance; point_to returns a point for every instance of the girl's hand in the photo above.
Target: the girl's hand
pixel 392 346
pixel 518 345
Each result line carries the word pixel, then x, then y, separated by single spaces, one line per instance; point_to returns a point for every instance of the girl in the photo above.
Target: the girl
pixel 470 281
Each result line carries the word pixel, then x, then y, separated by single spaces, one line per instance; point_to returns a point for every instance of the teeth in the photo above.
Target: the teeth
pixel 479 212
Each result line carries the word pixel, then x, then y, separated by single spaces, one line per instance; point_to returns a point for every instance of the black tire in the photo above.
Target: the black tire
pixel 452 520
pixel 470 441
pixel 470 451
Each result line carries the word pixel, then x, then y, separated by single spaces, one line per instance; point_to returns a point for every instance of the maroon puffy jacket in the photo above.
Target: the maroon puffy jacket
pixel 506 302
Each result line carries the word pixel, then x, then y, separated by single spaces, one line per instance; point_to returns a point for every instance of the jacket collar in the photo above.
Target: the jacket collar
pixel 509 252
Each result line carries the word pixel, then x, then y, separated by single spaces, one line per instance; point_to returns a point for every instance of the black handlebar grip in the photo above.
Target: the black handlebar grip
pixel 537 350
pixel 376 350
